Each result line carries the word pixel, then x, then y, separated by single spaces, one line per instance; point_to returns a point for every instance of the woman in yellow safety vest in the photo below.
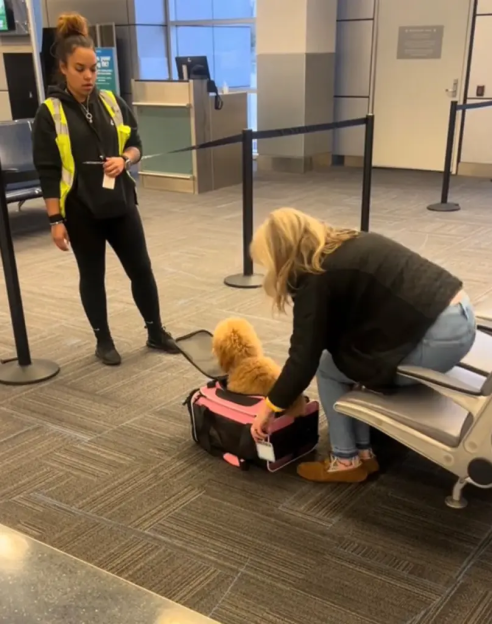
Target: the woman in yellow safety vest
pixel 88 203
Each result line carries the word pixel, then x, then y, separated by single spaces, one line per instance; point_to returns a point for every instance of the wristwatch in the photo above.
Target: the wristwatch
pixel 128 162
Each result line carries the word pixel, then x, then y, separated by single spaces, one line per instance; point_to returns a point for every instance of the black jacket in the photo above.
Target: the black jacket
pixel 89 143
pixel 369 309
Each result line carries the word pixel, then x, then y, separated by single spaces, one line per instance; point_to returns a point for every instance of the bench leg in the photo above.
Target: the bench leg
pixel 19 205
pixel 456 500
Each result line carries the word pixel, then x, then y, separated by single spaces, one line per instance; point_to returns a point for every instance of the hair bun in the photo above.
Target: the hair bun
pixel 71 24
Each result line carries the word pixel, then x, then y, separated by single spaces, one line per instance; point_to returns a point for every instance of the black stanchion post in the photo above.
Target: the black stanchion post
pixel 367 174
pixel 246 279
pixel 444 205
pixel 20 370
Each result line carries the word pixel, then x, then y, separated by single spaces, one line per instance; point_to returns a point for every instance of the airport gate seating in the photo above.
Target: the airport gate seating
pixel 21 180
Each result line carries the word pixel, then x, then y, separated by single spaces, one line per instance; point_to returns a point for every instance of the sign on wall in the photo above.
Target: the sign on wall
pixel 420 42
pixel 107 70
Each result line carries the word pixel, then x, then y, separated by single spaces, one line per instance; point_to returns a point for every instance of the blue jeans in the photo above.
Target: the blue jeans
pixel 444 345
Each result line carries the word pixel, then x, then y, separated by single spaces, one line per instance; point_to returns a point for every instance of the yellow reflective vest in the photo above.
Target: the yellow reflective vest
pixel 55 107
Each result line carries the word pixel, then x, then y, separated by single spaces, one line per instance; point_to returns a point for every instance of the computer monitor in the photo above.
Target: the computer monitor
pixel 7 19
pixel 193 68
pixel 196 68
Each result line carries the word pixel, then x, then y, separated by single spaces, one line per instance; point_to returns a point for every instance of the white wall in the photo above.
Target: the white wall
pixel 477 137
pixel 484 6
pixel 353 67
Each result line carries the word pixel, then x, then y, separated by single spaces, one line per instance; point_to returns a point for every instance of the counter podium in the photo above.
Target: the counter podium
pixel 175 114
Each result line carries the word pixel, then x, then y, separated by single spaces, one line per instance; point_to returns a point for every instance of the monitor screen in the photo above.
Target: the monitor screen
pixel 193 68
pixel 7 21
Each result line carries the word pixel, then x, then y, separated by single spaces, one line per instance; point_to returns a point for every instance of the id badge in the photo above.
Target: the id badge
pixel 109 183
pixel 265 451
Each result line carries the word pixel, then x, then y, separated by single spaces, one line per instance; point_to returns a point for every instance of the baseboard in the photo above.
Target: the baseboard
pixel 321 162
pixel 294 164
pixel 475 170
pixel 283 164
pixel 347 161
pixel 162 182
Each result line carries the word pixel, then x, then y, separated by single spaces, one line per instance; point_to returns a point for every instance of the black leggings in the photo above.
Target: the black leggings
pixel 88 237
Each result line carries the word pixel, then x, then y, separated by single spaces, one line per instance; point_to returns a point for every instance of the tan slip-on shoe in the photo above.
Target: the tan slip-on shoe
pixel 329 471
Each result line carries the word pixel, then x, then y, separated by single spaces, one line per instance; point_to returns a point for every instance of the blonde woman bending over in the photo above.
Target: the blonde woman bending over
pixel 363 304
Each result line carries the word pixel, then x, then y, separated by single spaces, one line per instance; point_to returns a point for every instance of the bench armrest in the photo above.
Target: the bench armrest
pixel 484 325
pixel 428 376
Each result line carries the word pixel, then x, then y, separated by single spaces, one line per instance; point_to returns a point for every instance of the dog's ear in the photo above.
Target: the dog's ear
pixel 224 357
pixel 221 351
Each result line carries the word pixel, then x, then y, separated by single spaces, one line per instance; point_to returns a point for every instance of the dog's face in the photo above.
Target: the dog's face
pixel 234 340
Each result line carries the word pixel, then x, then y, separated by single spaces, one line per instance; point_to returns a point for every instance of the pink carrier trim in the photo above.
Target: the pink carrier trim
pixel 232 459
pixel 241 413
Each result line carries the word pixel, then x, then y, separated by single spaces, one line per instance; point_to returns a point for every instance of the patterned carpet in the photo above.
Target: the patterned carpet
pixel 99 462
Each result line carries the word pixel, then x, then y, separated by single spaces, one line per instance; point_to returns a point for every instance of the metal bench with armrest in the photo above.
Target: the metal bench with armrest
pixel 483 310
pixel 20 175
pixel 479 360
pixel 446 418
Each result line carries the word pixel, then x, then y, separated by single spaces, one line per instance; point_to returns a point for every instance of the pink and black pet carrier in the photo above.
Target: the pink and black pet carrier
pixel 221 420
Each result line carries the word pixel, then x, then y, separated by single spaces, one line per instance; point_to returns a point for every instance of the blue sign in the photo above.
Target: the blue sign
pixel 107 70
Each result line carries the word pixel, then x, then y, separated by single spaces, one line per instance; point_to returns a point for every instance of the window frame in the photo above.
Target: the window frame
pixel 171 24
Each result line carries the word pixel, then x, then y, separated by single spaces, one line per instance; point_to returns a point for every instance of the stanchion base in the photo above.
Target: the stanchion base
pixel 447 207
pixel 13 374
pixel 244 281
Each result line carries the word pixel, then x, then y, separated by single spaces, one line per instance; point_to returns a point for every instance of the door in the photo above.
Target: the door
pixel 21 83
pixel 421 58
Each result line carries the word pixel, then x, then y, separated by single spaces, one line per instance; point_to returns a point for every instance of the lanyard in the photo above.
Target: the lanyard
pixel 89 118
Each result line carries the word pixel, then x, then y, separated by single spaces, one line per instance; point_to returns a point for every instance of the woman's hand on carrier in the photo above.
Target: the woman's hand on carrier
pixel 113 167
pixel 60 236
pixel 261 424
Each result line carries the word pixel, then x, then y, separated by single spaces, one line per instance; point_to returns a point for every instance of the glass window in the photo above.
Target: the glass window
pixel 229 49
pixel 149 11
pixel 252 111
pixel 193 41
pixel 234 9
pixel 233 56
pixel 195 10
pixel 253 117
pixel 151 52
pixel 254 73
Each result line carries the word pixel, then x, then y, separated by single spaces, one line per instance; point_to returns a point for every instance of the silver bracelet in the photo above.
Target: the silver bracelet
pixel 57 223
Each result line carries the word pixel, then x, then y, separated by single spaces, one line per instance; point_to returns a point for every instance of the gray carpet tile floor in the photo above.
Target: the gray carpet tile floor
pixel 100 464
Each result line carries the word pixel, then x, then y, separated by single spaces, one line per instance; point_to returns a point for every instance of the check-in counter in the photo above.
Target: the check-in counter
pixel 176 114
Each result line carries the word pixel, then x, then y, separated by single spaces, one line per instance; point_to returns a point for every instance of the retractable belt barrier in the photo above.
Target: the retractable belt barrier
pixel 248 279
pixel 277 133
pixel 445 205
pixel 472 105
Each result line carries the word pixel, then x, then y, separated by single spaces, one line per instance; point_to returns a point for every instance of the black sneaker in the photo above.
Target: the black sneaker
pixel 107 353
pixel 162 341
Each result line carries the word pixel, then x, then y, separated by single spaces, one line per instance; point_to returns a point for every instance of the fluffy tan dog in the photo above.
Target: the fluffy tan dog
pixel 240 355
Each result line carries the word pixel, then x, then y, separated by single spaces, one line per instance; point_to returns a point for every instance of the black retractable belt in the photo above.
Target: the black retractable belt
pixel 248 279
pixel 21 370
